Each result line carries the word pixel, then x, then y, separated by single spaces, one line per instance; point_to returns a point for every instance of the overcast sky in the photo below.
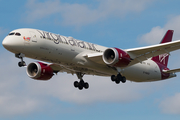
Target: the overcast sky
pixel 111 23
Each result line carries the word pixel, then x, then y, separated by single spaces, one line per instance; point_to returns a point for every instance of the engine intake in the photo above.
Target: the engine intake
pixel 116 57
pixel 39 71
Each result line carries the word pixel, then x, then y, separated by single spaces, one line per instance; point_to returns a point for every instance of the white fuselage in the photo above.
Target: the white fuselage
pixel 71 53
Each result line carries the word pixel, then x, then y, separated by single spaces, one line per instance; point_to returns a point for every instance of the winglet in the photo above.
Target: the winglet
pixel 167 37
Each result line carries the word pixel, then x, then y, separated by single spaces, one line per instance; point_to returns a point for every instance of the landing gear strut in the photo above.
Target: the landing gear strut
pixel 20 56
pixel 119 78
pixel 81 84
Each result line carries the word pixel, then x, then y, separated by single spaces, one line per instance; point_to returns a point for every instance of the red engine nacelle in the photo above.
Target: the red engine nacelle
pixel 116 57
pixel 39 71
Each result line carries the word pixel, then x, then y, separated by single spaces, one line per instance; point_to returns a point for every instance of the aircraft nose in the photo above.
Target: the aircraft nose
pixel 6 43
pixel 12 44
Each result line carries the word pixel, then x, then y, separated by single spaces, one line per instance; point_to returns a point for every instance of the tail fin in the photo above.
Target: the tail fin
pixel 163 58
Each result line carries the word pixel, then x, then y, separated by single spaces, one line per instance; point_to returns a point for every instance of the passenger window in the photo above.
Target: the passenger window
pixel 11 33
pixel 18 34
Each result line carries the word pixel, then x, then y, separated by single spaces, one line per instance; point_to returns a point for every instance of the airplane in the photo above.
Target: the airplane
pixel 56 53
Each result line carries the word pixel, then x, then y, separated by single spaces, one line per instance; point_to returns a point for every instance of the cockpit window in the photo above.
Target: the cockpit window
pixel 11 33
pixel 18 34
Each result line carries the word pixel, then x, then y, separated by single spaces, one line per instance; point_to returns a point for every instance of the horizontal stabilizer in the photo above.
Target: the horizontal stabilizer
pixel 172 71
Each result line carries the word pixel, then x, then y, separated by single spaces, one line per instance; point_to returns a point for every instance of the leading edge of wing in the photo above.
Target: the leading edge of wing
pixel 143 53
pixel 95 57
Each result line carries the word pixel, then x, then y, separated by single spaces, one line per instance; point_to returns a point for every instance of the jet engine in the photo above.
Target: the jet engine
pixel 39 71
pixel 116 57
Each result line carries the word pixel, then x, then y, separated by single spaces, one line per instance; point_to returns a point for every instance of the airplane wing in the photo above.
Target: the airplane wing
pixel 95 57
pixel 172 71
pixel 58 68
pixel 143 53
pixel 73 70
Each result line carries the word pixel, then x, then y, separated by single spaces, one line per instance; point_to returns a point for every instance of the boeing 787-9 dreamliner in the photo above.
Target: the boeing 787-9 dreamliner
pixel 56 53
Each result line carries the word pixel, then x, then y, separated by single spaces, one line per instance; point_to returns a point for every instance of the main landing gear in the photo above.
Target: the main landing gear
pixel 20 56
pixel 119 78
pixel 81 84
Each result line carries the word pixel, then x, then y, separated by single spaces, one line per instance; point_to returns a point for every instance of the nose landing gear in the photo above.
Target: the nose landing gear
pixel 22 62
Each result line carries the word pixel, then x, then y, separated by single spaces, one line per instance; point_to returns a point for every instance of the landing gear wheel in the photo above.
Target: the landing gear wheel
pixel 117 81
pixel 80 87
pixel 20 64
pixel 76 84
pixel 113 78
pixel 81 84
pixel 86 85
pixel 20 56
pixel 123 79
pixel 119 78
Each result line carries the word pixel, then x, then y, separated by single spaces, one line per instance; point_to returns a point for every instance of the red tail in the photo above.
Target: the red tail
pixel 163 58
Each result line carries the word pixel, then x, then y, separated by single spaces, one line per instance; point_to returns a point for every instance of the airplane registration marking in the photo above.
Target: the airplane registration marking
pixel 147 73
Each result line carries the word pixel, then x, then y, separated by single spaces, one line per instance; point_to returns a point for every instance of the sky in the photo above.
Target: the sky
pixel 111 23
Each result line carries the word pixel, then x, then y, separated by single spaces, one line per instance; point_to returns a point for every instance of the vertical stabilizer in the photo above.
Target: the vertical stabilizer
pixel 163 58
